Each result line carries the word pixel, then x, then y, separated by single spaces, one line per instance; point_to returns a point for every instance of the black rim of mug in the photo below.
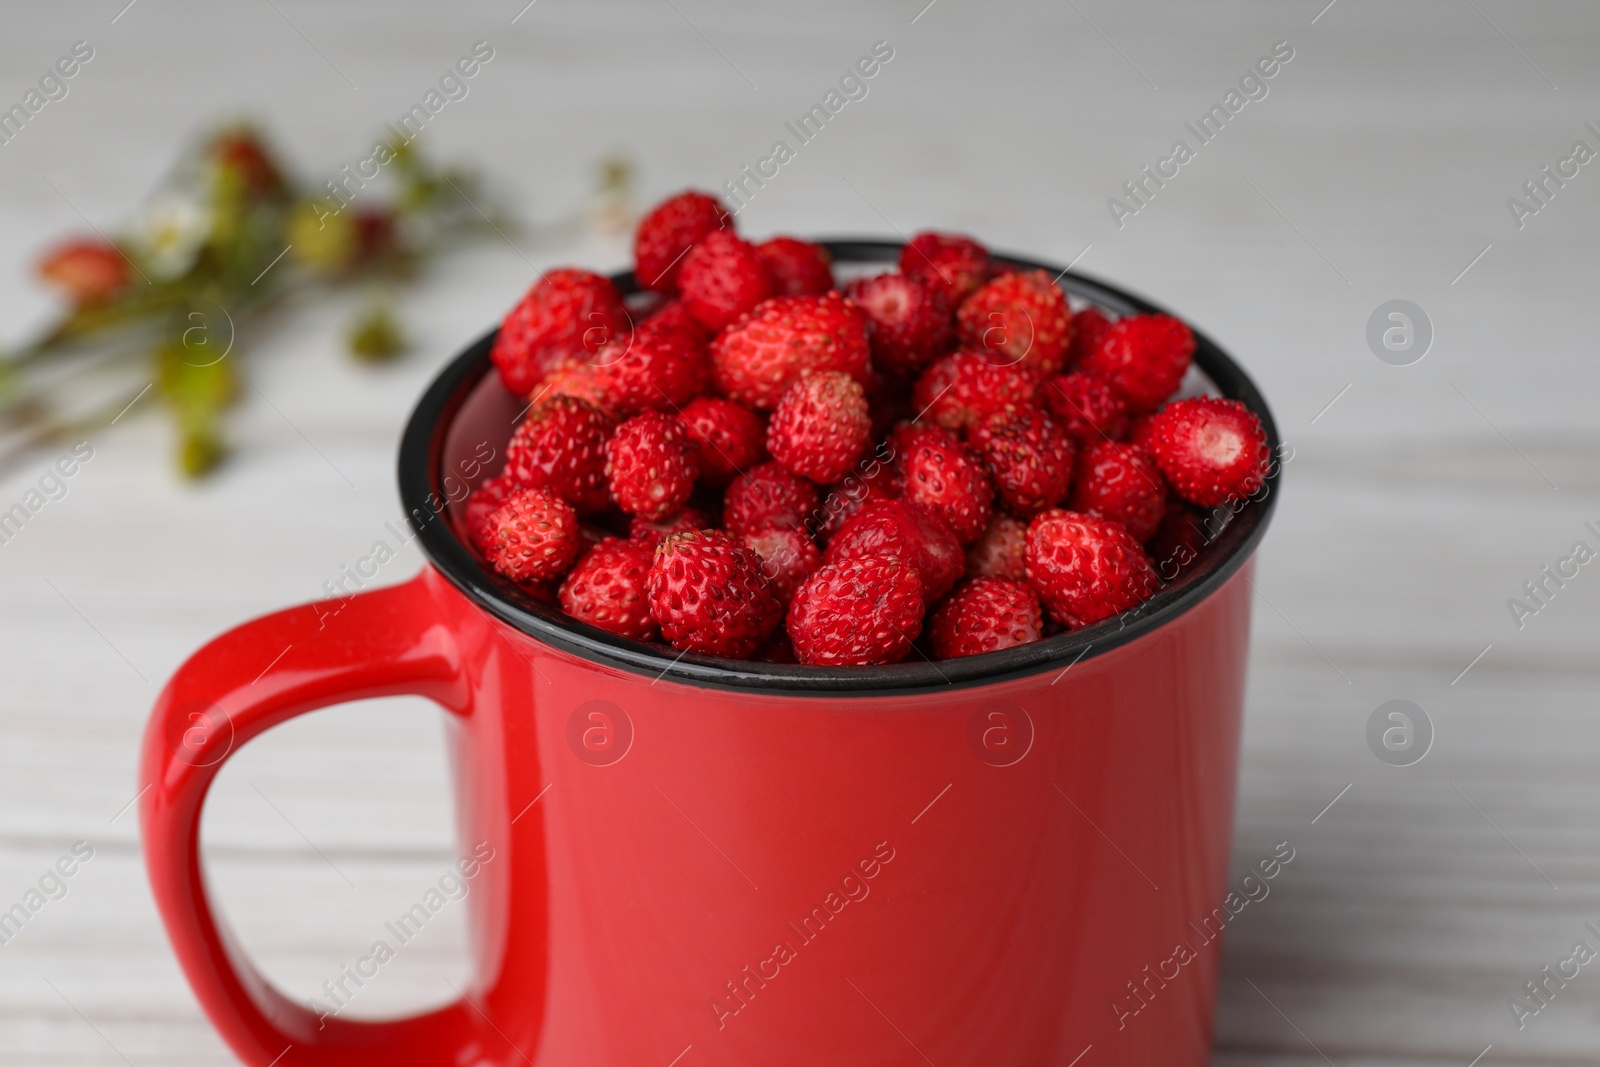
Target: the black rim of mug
pixel 421 487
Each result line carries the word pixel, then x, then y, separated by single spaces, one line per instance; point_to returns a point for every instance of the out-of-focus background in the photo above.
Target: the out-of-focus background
pixel 1420 498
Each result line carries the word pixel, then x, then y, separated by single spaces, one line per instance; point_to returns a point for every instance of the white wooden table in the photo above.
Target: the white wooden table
pixel 1377 167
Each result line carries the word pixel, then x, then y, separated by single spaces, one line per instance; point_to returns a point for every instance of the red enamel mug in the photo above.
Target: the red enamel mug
pixel 704 862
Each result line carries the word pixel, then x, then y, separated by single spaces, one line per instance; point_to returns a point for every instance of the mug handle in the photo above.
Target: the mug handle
pixel 380 642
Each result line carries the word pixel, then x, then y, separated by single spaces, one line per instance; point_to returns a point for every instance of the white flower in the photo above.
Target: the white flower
pixel 171 233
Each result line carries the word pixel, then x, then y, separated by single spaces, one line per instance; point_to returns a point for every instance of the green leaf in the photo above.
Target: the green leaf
pixel 376 337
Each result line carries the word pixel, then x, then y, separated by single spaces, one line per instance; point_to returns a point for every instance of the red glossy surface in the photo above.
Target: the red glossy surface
pixel 973 896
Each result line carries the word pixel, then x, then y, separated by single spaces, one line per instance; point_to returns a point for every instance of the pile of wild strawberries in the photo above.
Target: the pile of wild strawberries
pixel 759 464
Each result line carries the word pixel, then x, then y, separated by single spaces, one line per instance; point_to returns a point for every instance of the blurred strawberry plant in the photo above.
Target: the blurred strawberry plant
pixel 228 237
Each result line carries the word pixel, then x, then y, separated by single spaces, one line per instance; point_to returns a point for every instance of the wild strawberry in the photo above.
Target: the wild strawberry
pixel 940 473
pixel 1022 318
pixel 1143 357
pixel 1087 326
pixel 568 314
pixel 1086 408
pixel 667 232
pixel 1179 539
pixel 560 447
pixel 787 556
pixel 728 436
pixel 577 379
pixel 650 462
pixel 607 588
pixel 651 532
pixel 888 402
pixel 1142 432
pixel 590 534
pixel 820 426
pixel 707 591
pixel 786 339
pixel 88 271
pixel 960 389
pixel 857 612
pixel 654 369
pixel 985 615
pixel 796 267
pixel 374 236
pixel 951 263
pixel 723 277
pixel 1211 450
pixel 1001 551
pixel 1086 569
pixel 672 317
pixel 542 592
pixel 241 155
pixel 534 536
pixel 914 534
pixel 778 649
pixel 1027 456
pixel 908 321
pixel 481 504
pixel 1121 483
pixel 875 481
pixel 768 496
